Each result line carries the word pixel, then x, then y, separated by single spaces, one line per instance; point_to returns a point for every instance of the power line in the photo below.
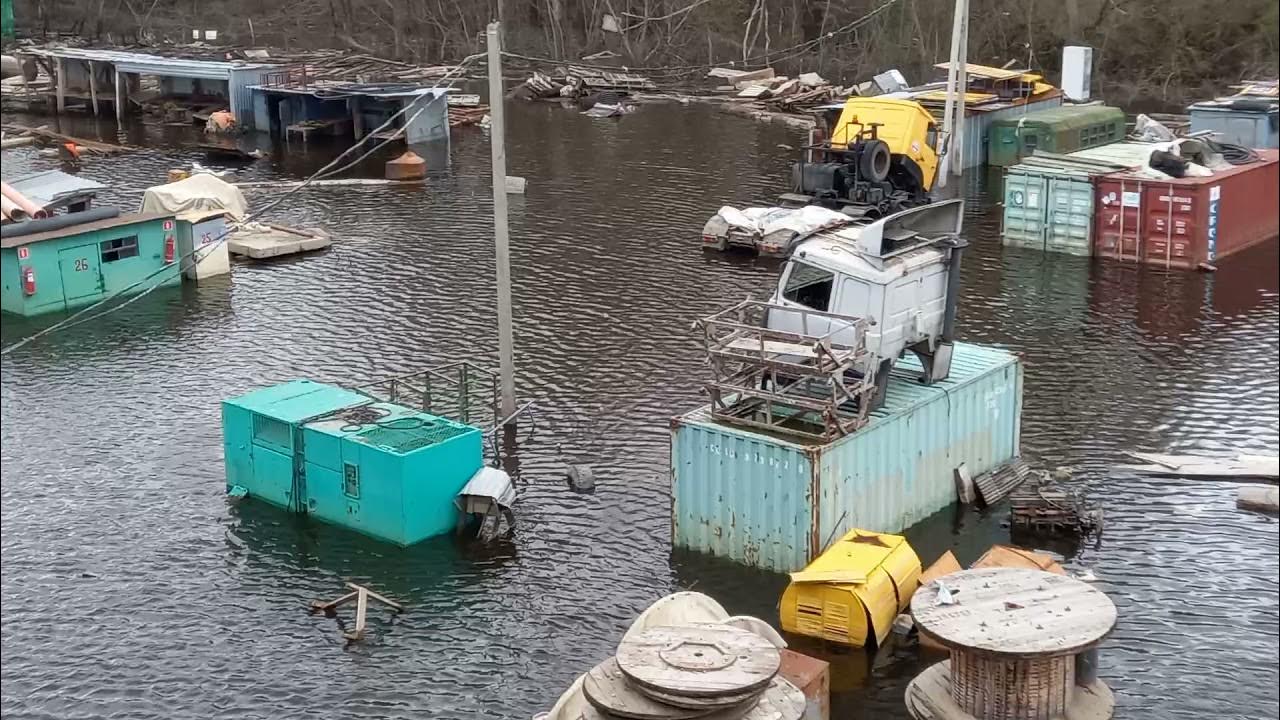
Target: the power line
pixel 771 56
pixel 77 317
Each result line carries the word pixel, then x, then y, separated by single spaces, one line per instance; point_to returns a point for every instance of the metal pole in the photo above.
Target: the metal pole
pixel 962 86
pixel 506 362
pixel 119 99
pixel 948 114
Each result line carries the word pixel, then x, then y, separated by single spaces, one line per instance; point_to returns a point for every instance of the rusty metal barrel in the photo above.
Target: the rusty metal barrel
pixel 1023 647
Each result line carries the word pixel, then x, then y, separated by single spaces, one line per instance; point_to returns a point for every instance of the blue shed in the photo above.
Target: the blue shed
pixel 378 468
pixel 72 266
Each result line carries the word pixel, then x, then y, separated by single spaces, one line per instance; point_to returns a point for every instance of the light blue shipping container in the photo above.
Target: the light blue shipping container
pixel 1254 127
pixel 1048 209
pixel 772 502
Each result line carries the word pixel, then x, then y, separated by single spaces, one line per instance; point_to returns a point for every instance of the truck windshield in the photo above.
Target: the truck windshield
pixel 808 285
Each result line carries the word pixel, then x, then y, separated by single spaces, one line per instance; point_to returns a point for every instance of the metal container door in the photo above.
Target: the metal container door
pixel 1070 215
pixel 1024 210
pixel 81 269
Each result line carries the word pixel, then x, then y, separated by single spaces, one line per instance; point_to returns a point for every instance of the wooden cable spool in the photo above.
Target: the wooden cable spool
pixel 1014 637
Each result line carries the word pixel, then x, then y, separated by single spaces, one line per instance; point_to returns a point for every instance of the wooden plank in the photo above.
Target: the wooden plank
pixel 964 485
pixel 1015 613
pixel 362 607
pixel 774 347
pixel 995 485
pixel 380 598
pixel 326 607
pixel 844 576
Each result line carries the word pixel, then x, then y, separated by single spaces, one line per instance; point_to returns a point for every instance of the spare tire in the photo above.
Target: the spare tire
pixel 873 163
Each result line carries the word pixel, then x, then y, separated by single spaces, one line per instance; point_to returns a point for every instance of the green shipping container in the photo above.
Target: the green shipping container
pixel 1048 209
pixel 1059 130
pixel 7 24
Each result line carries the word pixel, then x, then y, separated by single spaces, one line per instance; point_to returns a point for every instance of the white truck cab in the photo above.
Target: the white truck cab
pixel 901 273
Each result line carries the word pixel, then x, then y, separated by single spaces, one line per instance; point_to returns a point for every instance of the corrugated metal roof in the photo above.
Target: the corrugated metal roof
pixel 339 89
pixel 144 64
pixel 490 483
pixel 1126 154
pixel 108 223
pixel 54 188
pixel 985 71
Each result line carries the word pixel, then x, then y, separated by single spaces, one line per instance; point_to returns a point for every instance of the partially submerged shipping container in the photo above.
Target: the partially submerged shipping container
pixel 1189 222
pixel 1251 122
pixel 1048 199
pixel 1061 130
pixel 773 502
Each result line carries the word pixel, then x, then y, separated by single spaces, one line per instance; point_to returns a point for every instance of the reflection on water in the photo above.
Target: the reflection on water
pixel 132 587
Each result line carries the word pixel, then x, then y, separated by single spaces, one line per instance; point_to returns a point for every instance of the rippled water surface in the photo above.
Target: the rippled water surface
pixel 133 589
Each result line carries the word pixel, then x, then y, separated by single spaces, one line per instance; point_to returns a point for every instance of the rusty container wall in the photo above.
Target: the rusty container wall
pixel 1186 222
pixel 771 502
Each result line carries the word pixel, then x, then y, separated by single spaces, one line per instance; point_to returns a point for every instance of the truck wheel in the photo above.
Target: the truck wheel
pixel 874 161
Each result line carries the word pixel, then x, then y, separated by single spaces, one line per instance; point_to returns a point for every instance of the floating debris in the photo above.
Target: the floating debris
pixel 46 136
pixel 361 595
pixel 1259 498
pixel 995 485
pixel 581 479
pixel 1043 506
pixel 1195 466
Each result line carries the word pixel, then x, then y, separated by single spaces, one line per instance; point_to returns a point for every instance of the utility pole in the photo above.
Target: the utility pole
pixel 506 362
pixel 962 91
pixel 953 115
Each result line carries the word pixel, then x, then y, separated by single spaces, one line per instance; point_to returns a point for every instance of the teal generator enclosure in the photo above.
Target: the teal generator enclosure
pixel 70 267
pixel 377 468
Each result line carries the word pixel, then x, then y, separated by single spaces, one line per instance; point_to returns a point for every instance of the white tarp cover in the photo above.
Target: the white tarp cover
pixel 198 192
pixel 768 220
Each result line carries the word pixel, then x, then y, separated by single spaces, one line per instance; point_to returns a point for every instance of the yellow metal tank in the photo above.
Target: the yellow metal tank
pixel 851 593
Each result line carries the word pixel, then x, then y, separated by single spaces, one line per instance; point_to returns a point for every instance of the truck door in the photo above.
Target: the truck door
pixel 803 286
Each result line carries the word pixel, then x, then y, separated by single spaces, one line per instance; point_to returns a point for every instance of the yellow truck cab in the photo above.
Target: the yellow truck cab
pixel 904 125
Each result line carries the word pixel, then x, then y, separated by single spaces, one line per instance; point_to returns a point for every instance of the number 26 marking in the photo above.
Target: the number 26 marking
pixel 82 264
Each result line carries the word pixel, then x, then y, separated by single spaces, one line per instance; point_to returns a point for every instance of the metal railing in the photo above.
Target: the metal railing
pixel 460 391
pixel 816 381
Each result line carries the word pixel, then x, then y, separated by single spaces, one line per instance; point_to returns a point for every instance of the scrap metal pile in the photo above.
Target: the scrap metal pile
pixel 766 90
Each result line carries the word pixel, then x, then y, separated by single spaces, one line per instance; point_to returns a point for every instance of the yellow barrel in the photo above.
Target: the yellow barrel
pixel 851 593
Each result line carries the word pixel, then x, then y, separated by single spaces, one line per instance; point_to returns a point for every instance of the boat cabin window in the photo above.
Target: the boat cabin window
pixel 119 249
pixel 808 285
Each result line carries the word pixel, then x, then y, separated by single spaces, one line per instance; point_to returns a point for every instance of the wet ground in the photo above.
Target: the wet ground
pixel 132 588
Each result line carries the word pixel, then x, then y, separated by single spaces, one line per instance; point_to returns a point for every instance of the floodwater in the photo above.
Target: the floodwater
pixel 132 588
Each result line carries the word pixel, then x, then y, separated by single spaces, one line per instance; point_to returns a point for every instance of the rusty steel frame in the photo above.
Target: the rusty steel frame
pixel 756 383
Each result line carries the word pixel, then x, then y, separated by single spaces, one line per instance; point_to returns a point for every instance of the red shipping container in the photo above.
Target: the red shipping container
pixel 1187 222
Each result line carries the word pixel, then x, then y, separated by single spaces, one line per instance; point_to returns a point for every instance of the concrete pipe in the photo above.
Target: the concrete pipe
pixel 33 210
